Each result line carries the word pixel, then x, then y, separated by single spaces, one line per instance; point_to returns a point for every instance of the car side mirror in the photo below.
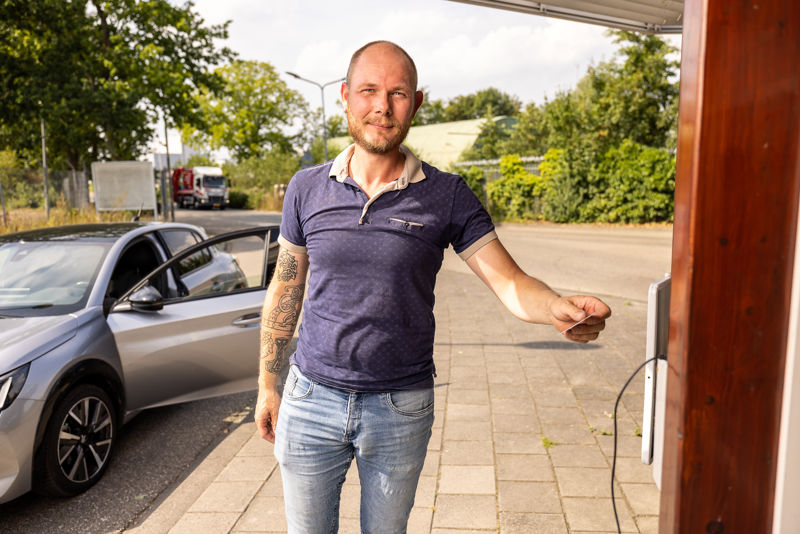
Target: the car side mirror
pixel 146 299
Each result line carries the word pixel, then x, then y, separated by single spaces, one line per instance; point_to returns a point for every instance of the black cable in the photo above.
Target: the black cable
pixel 614 461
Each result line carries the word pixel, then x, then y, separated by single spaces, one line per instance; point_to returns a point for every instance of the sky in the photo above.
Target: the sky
pixel 458 48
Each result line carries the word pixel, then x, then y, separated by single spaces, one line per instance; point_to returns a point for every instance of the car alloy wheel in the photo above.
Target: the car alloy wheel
pixel 78 442
pixel 84 442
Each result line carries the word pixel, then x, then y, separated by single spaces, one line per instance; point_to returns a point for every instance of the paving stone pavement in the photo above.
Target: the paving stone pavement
pixel 521 441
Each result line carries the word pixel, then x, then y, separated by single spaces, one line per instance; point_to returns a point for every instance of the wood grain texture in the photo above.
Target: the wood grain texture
pixel 736 205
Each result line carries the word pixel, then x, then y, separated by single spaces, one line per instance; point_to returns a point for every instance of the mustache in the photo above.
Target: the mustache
pixel 383 123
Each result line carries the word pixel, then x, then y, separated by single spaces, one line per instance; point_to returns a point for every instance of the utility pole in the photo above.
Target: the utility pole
pixel 44 170
pixel 3 204
pixel 168 179
pixel 322 92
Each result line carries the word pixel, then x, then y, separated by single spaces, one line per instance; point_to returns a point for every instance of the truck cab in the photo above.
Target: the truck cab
pixel 200 187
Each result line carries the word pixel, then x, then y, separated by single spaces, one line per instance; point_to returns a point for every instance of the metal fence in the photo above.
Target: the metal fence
pixel 24 188
pixel 491 167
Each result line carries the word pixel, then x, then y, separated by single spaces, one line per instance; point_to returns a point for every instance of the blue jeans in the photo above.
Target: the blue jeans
pixel 321 429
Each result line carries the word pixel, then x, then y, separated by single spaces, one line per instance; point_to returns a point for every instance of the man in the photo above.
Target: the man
pixel 370 229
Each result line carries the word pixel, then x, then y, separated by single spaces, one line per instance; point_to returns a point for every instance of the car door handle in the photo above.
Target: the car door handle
pixel 247 320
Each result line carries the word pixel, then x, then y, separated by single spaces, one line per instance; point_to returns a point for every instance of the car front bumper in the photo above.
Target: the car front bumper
pixel 18 424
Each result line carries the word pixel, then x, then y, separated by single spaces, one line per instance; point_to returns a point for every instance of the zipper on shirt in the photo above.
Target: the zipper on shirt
pixel 406 224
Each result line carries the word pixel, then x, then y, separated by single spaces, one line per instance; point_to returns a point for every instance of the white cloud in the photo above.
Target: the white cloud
pixel 459 48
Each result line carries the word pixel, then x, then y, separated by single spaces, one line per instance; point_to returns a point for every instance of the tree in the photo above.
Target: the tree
pixel 517 194
pixel 476 105
pixel 492 135
pixel 631 183
pixel 466 107
pixel 250 116
pixel 431 111
pixel 100 74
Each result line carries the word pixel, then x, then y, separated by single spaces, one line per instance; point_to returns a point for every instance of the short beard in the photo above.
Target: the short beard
pixel 385 146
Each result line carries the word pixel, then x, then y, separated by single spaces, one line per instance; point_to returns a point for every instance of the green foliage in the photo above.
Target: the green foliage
pixel 199 160
pixel 517 194
pixel 264 172
pixel 100 74
pixel 632 183
pixel 489 101
pixel 528 137
pixel 608 140
pixel 239 199
pixel 430 112
pixel 319 154
pixel 492 135
pixel 249 118
pixel 337 126
pixel 562 198
pixel 476 181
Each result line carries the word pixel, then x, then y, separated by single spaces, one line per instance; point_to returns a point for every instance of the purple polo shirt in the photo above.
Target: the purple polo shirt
pixel 368 316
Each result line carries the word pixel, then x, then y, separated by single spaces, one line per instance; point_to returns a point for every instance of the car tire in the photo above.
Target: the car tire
pixel 78 442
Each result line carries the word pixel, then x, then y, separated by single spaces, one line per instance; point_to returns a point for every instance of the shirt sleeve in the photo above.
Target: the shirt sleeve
pixel 471 224
pixel 292 237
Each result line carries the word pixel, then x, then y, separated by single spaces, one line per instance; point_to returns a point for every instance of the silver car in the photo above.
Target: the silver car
pixel 98 322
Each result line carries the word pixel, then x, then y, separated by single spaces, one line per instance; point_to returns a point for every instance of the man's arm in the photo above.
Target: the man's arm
pixel 278 320
pixel 532 300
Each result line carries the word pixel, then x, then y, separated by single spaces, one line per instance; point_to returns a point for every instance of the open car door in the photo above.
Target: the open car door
pixel 201 338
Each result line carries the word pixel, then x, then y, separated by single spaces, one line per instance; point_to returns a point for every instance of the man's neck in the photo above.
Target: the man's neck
pixel 373 171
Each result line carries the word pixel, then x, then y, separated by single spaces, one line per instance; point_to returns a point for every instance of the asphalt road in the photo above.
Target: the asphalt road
pixel 218 222
pixel 154 450
pixel 160 446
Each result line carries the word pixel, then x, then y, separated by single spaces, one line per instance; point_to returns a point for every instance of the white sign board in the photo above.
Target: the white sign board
pixel 124 185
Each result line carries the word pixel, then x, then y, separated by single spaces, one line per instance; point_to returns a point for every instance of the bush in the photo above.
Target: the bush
pixel 239 200
pixel 563 186
pixel 632 183
pixel 517 195
pixel 274 168
pixel 475 180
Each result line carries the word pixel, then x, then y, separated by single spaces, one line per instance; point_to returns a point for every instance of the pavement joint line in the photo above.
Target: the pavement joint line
pixel 176 500
pixel 174 503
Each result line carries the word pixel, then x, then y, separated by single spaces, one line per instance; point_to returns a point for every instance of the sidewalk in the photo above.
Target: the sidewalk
pixel 521 444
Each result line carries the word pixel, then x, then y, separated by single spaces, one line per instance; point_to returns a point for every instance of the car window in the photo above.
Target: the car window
pixel 138 259
pixel 236 265
pixel 180 239
pixel 47 277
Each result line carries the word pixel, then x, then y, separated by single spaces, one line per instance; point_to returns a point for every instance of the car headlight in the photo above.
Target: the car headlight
pixel 11 384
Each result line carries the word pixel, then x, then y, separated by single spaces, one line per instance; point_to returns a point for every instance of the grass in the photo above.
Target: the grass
pixel 546 443
pixel 29 219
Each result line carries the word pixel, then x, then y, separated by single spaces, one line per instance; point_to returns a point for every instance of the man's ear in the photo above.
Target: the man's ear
pixel 418 98
pixel 343 91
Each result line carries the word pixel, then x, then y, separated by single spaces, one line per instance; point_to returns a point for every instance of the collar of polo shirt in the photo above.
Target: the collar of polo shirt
pixel 412 168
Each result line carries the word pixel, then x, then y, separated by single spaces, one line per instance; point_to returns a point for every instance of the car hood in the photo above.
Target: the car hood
pixel 26 338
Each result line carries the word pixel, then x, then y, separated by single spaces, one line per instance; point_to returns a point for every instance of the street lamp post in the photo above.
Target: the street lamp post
pixel 322 92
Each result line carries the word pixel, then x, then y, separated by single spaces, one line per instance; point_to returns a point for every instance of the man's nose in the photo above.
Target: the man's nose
pixel 383 104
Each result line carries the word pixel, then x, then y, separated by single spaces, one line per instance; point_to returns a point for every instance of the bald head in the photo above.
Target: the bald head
pixel 412 68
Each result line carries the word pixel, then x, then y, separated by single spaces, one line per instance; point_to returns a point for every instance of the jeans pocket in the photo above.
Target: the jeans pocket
pixel 298 386
pixel 411 403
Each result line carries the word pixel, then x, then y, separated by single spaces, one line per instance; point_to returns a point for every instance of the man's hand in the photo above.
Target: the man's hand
pixel 266 416
pixel 567 311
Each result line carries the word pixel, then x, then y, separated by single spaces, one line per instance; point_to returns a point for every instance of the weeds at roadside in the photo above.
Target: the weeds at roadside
pixel 29 219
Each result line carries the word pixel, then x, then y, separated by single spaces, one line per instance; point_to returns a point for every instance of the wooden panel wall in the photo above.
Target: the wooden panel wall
pixel 736 209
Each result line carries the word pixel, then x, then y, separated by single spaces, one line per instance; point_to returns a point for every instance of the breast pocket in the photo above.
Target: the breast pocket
pixel 405 224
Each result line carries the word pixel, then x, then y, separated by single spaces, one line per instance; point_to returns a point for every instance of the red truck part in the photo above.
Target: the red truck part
pixel 199 187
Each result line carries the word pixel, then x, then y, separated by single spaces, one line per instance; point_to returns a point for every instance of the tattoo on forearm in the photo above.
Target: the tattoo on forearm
pixel 273 346
pixel 284 316
pixel 287 267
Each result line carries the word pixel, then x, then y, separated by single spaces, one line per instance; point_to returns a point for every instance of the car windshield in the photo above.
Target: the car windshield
pixel 47 277
pixel 213 181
